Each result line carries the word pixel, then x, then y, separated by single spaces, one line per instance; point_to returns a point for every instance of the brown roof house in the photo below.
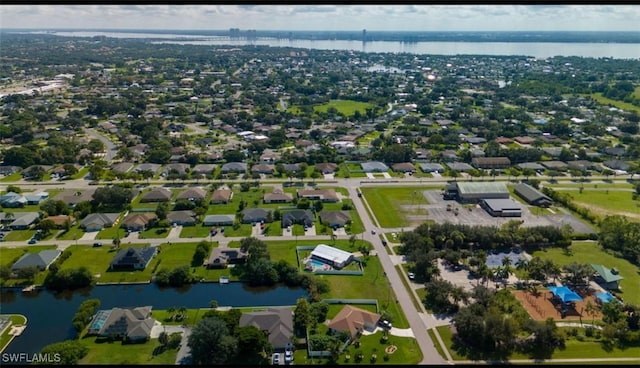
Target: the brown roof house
pixel 158 194
pixel 222 257
pixel 277 196
pixel 404 167
pixel 335 219
pixel 193 194
pixel 326 167
pixel 133 324
pixel 277 322
pixel 353 320
pixel 221 196
pixel 138 221
pixel 491 162
pixel 326 195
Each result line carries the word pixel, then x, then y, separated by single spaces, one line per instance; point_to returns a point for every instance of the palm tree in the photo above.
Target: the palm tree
pixel 506 267
pixel 172 312
pixel 182 312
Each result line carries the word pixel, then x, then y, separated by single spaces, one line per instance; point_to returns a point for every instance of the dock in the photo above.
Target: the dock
pixel 29 289
pixel 224 279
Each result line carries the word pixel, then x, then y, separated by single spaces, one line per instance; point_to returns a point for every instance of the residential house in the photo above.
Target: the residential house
pixel 327 167
pixel 179 168
pixel 353 321
pixel 133 258
pixel 219 220
pixel 8 170
pixel 277 196
pixel 293 168
pixel 222 257
pixel 37 198
pixel 302 217
pixel 20 220
pixel 204 169
pixel 122 167
pixel 608 278
pixel 133 324
pixel 182 218
pixel 158 194
pixel 60 221
pixel 554 165
pixel 148 167
pixel 277 322
pixel 40 260
pixel 324 195
pixel 99 221
pixel 236 167
pixel 193 194
pixel 72 196
pixel 13 200
pixel 404 167
pixel 262 169
pixel 255 215
pixel 138 221
pixel 374 166
pixel 221 196
pixel 489 163
pixel 429 167
pixel 459 166
pixel 335 219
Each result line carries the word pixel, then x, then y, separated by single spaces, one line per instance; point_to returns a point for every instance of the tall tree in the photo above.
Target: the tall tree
pixel 211 343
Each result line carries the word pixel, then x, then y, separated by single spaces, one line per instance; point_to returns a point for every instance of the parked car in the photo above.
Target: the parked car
pixel 373 232
pixel 385 324
pixel 288 356
pixel 411 275
pixel 97 244
pixel 276 358
pixel 32 241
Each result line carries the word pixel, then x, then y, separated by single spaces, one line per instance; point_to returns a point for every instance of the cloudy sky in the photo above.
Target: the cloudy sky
pixel 327 17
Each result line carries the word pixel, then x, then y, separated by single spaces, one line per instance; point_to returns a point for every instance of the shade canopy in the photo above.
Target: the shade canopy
pixel 565 294
pixel 605 297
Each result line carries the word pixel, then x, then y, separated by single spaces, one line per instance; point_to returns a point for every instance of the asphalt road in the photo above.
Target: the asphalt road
pixel 108 144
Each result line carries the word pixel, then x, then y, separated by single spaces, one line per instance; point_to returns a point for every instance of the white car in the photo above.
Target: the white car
pixel 288 356
pixel 411 275
pixel 276 359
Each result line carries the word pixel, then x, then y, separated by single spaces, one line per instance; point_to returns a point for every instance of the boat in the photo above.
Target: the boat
pixel 29 288
pixel 224 279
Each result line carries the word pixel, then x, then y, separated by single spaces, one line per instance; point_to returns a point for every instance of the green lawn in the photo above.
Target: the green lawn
pixel 75 232
pixel 386 204
pixel 16 319
pixel 615 103
pixel 8 256
pixel 591 252
pixel 436 344
pixel 97 260
pixel 408 351
pixel 19 235
pixel 197 231
pixel 346 107
pixel 110 233
pixel 155 233
pixel 125 354
pixel 13 177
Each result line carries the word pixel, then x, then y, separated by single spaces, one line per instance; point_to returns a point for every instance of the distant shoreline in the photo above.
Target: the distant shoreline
pixel 372 35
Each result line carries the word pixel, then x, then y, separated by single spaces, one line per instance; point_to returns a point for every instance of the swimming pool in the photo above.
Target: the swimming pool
pixel 319 265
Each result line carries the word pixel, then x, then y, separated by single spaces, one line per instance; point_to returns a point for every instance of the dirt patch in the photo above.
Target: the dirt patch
pixel 390 349
pixel 541 306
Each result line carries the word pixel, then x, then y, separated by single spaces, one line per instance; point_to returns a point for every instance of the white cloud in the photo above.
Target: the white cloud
pixel 326 17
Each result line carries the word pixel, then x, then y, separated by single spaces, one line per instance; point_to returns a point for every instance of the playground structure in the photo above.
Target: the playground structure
pixel 542 304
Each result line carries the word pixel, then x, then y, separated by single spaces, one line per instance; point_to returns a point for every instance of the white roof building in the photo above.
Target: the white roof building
pixel 338 257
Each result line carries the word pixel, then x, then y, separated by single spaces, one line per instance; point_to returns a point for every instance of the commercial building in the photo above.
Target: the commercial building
pixel 502 207
pixel 532 195
pixel 476 191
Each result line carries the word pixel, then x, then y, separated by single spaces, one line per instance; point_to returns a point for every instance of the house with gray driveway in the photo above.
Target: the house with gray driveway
pixel 99 221
pixel 277 322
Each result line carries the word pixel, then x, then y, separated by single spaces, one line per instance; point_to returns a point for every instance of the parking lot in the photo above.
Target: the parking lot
pixel 475 215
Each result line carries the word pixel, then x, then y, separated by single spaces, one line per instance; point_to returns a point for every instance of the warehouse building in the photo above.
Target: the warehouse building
pixel 502 207
pixel 532 195
pixel 476 191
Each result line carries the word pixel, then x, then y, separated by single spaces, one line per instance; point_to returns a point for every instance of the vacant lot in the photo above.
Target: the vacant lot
pixel 103 352
pixel 393 207
pixel 591 252
pixel 617 201
pixel 346 107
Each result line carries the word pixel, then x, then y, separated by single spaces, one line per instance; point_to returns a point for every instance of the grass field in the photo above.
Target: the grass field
pixel 97 260
pixel 605 202
pixel 346 107
pixel 386 204
pixel 573 349
pixel 619 104
pixel 591 252
pixel 125 354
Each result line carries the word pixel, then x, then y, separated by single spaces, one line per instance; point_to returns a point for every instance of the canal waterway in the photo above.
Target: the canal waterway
pixel 49 315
